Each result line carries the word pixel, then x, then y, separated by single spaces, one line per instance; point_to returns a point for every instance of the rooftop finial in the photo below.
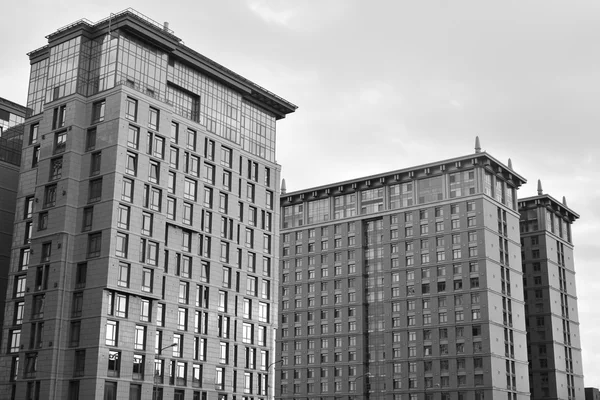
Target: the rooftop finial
pixel 510 164
pixel 477 145
pixel 540 191
pixel 283 188
pixel 564 201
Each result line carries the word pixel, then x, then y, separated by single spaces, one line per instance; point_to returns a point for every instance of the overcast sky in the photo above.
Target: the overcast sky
pixel 384 85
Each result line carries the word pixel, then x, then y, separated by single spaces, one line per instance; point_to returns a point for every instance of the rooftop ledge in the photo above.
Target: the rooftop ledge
pixel 407 174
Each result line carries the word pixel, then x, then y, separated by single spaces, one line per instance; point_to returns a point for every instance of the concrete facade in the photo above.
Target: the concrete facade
pixel 592 393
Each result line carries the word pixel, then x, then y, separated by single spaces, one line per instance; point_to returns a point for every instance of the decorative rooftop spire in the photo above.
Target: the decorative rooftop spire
pixel 510 164
pixel 565 201
pixel 477 145
pixel 283 188
pixel 540 191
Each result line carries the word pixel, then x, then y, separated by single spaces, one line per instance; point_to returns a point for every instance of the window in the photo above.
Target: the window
pixel 95 163
pixel 131 164
pixel 191 139
pixel 114 366
pixel 60 142
pixel 56 165
pixel 209 149
pixel 112 329
pixel 90 142
pixel 35 157
pixel 158 147
pixel 473 251
pixel 42 221
pixel 121 244
pixel 123 276
pixel 472 236
pixel 122 216
pixel 30 371
pixel 171 208
pixel 140 338
pixel 98 109
pixel 94 244
pixel 174 158
pixel 153 198
pixel 95 190
pixel 50 196
pixel 147 222
pixel 187 213
pixel 208 173
pixel 455 224
pixel 147 279
pixel 145 308
pixel 153 118
pixel 190 189
pixel 223 203
pixel 14 341
pixel 250 192
pixel 192 164
pixel 127 190
pixel 28 207
pixel 131 109
pixel 220 378
pixel 33 133
pixel 133 137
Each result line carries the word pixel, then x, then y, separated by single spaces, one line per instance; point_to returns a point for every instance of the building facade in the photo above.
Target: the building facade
pixel 404 285
pixel 143 261
pixel 592 393
pixel 12 117
pixel 553 337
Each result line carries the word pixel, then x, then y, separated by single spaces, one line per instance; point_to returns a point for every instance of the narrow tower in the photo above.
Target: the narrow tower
pixel 553 345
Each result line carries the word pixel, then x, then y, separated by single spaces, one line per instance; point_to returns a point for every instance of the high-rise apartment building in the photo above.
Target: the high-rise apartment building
pixel 553 339
pixel 404 285
pixel 143 260
pixel 12 116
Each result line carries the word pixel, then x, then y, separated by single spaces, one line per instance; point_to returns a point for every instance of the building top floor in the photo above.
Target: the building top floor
pixel 464 176
pixel 159 44
pixel 544 212
pixel 130 50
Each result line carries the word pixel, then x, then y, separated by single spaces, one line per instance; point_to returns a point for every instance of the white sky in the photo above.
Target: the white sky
pixel 383 85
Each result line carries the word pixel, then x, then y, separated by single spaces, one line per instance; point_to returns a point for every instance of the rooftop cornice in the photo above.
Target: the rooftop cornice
pixel 408 174
pixel 547 201
pixel 158 34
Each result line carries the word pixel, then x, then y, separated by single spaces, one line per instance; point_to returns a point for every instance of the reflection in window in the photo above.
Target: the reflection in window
pixel 431 189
